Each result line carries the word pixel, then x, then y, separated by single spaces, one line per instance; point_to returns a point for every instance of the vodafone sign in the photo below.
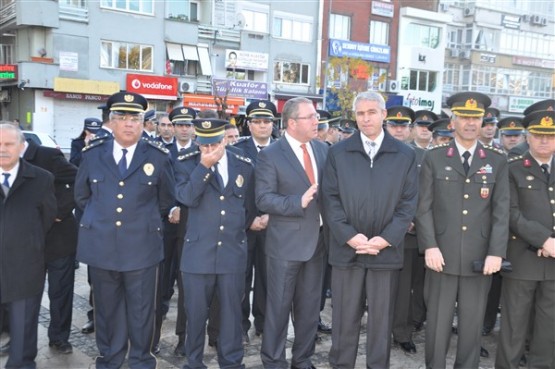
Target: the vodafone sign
pixel 152 87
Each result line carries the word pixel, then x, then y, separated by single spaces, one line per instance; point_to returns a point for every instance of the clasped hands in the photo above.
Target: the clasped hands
pixel 363 245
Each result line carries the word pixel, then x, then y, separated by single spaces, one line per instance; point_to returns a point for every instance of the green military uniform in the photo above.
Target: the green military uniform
pixel 530 288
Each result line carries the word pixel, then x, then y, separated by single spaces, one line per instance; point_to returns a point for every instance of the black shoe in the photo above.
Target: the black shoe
pixel 258 332
pixel 418 326
pixel 156 349
pixel 304 367
pixel 455 330
pixel 483 352
pixel 180 348
pixel 486 331
pixel 62 347
pixel 246 339
pixel 324 327
pixel 212 343
pixel 408 347
pixel 88 327
pixel 5 349
pixel 523 361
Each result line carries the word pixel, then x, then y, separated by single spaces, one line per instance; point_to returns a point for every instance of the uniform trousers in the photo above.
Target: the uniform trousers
pixel 520 299
pixel 199 290
pixel 124 308
pixel 352 287
pixel 61 278
pixel 294 287
pixel 256 270
pixel 24 324
pixel 442 292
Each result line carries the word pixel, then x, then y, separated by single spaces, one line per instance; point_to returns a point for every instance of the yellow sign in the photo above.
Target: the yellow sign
pixel 85 86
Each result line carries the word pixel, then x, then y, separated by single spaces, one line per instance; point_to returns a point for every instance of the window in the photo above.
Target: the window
pixel 419 80
pixel 377 80
pixel 135 6
pixel 379 33
pixel 183 59
pixel 74 3
pixel 485 39
pixel 7 54
pixel 422 35
pixel 292 27
pixel 256 20
pixel 340 27
pixel 287 72
pixel 518 42
pixel 121 55
pixel 183 10
pixel 451 77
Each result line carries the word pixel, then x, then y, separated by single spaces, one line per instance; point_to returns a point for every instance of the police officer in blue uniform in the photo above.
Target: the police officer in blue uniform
pixel 124 186
pixel 149 130
pixel 216 186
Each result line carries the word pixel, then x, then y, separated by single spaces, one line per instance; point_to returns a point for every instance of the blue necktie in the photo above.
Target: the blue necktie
pixel 122 165
pixel 219 178
pixel 6 182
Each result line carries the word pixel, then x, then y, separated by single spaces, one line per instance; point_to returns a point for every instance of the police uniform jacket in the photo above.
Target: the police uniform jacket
pixel 26 215
pixel 532 219
pixel 377 201
pixel 464 215
pixel 121 227
pixel 77 146
pixel 215 241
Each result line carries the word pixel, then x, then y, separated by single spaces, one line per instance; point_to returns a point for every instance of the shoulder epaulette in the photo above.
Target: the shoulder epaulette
pixel 438 146
pixel 241 139
pixel 515 158
pixel 93 143
pixel 243 158
pixel 101 137
pixel 158 145
pixel 188 155
pixel 494 149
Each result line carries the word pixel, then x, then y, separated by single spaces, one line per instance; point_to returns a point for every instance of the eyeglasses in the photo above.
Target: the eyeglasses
pixel 260 121
pixel 308 117
pixel 210 145
pixel 133 118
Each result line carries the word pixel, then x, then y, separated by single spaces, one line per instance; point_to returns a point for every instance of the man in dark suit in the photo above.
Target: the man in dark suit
pixel 287 175
pixel 368 218
pixel 260 116
pixel 27 211
pixel 462 221
pixel 61 243
pixel 165 130
pixel 149 125
pixel 216 186
pixel 530 288
pixel 125 186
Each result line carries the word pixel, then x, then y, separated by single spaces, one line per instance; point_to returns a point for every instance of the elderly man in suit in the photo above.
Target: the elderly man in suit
pixel 368 218
pixel 462 222
pixel 27 211
pixel 61 243
pixel 287 176
pixel 125 186
pixel 216 186
pixel 530 288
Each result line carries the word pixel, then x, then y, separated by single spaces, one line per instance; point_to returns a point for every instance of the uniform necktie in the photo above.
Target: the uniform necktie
pixel 466 164
pixel 308 165
pixel 371 152
pixel 218 176
pixel 545 170
pixel 260 147
pixel 6 182
pixel 122 165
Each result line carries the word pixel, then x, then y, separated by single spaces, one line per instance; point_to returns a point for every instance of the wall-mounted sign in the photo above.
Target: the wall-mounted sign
pixel 152 87
pixel 519 104
pixel 246 89
pixel 533 62
pixel 487 58
pixel 249 60
pixel 69 61
pixel 205 102
pixel 371 52
pixel 75 96
pixel 383 9
pixel 8 72
pixel 510 21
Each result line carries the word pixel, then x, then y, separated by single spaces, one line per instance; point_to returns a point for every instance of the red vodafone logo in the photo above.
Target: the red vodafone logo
pixel 152 86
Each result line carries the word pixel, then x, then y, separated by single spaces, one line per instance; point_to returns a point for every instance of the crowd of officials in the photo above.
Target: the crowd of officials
pixel 407 218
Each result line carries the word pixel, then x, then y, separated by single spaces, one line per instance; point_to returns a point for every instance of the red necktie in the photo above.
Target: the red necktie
pixel 308 165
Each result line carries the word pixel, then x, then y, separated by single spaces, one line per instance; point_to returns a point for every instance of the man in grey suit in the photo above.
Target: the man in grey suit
pixel 462 221
pixel 287 175
pixel 530 288
pixel 370 193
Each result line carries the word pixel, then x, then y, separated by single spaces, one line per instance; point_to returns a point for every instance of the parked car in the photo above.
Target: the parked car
pixel 41 138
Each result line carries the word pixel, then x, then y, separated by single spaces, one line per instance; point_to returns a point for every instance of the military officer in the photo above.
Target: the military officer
pixel 489 127
pixel 422 135
pixel 462 221
pixel 124 186
pixel 217 187
pixel 530 288
pixel 260 118
pixel 511 132
pixel 442 131
pixel 549 105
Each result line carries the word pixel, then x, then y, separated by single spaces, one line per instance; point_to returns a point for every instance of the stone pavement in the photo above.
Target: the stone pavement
pixel 84 347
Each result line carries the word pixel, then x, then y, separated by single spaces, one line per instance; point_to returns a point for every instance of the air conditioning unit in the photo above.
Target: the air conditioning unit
pixel 543 21
pixel 444 7
pixel 4 96
pixel 186 87
pixel 464 54
pixel 392 86
pixel 535 19
pixel 469 11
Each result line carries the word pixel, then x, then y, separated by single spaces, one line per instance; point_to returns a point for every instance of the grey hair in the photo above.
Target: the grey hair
pixel 291 108
pixel 369 96
pixel 9 126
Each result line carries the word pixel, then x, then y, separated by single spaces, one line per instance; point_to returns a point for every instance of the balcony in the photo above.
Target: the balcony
pixel 7 16
pixel 219 35
pixel 73 13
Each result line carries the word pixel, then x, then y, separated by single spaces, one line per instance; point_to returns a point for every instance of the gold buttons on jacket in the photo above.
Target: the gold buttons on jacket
pixel 121 183
pixel 222 198
pixel 219 243
pixel 120 196
pixel 222 212
pixel 467 180
pixel 465 212
pixel 464 228
pixel 221 228
pixel 119 210
pixel 118 223
pixel 466 196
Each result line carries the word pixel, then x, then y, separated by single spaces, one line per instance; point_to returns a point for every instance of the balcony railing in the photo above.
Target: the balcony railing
pixel 218 34
pixel 74 13
pixel 7 14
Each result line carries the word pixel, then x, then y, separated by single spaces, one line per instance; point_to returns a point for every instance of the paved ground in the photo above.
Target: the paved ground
pixel 84 347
